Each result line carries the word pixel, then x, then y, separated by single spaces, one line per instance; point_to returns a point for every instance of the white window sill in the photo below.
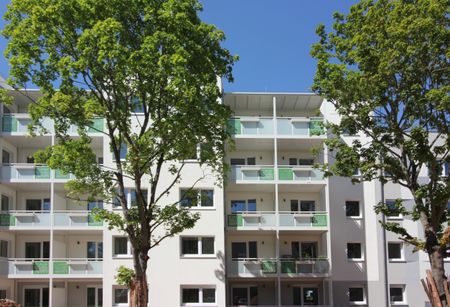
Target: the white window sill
pixel 358 303
pixel 209 256
pixel 354 217
pixel 395 218
pixel 202 208
pixel 399 303
pixel 401 260
pixel 122 257
pixel 355 259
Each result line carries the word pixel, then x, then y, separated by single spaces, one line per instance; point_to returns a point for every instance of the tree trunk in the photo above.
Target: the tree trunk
pixel 140 297
pixel 436 255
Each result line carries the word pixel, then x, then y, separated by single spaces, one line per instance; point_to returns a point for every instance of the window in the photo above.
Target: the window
pixel 352 209
pixel 130 195
pixel 94 204
pixel 292 161
pixel 243 206
pixel 237 161
pixel 244 250
pixel 121 246
pixel 396 294
pixel 305 161
pixel 394 211
pixel 303 205
pixel 197 198
pixel 354 251
pixel 356 295
pixel 395 251
pixel 2 294
pixel 197 246
pixel 4 248
pixel 245 296
pixel 6 157
pixel 95 250
pixel 120 296
pixel 196 296
pixel 37 204
pixel 5 203
pixel 37 249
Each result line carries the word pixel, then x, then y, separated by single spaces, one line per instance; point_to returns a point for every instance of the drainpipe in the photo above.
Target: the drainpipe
pixel 385 255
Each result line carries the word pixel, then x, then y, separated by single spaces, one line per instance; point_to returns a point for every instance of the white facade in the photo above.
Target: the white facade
pixel 277 234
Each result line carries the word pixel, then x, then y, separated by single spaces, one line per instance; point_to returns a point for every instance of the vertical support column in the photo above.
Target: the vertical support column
pixel 50 266
pixel 328 234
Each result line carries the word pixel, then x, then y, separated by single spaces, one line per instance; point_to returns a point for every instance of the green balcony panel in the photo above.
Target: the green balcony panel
pixel 59 174
pixel 316 127
pixel 60 267
pixel 9 124
pixel 92 221
pixel 269 267
pixel 234 125
pixel 42 172
pixel 40 267
pixel 319 220
pixel 7 220
pixel 266 174
pixel 235 220
pixel 285 174
pixel 97 125
pixel 288 267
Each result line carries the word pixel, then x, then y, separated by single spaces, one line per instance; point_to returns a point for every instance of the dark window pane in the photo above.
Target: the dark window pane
pixel 30 159
pixel 91 246
pixel 251 161
pixel 33 204
pixel 307 205
pixel 295 247
pixel 238 161
pixel 46 204
pixel 207 199
pixel 123 151
pixel 189 246
pixel 253 295
pixel 33 250
pixel 305 161
pixel 45 297
pixel 46 249
pixel 5 203
pixel 393 210
pixel 396 294
pixel 209 295
pixel 352 208
pixel 296 293
pixel 3 248
pixel 238 250
pixel 292 161
pixel 100 250
pixel 189 198
pixel 252 249
pixel 207 246
pixel 251 205
pixel 356 294
pixel 6 157
pixel 99 297
pixel 294 205
pixel 240 296
pixel 237 206
pixel 394 250
pixel 120 296
pixel 309 249
pixel 2 294
pixel 191 296
pixel 354 250
pixel 120 245
pixel 91 297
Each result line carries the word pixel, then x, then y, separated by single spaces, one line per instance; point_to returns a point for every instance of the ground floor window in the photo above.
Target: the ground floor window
pixel 197 295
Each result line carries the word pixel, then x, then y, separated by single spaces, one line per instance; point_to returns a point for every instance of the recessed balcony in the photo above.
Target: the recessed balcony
pixel 284 174
pixel 30 172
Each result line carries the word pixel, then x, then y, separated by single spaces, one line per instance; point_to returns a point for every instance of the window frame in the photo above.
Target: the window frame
pixel 2 244
pixel 129 253
pixel 114 296
pixel 199 253
pixel 199 192
pixel 200 289
pixel 8 204
pixel 359 216
pixel 364 301
pixel 402 251
pixel 246 203
pixel 403 288
pixel 361 249
pixel 393 217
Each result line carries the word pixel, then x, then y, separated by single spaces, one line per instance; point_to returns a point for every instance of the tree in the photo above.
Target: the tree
pixel 150 69
pixel 385 68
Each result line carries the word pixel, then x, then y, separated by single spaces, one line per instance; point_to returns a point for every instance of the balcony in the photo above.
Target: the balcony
pixel 18 124
pixel 36 268
pixel 33 220
pixel 266 173
pixel 295 127
pixel 303 220
pixel 269 267
pixel 28 172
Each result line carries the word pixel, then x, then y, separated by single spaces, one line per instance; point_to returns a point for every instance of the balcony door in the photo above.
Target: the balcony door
pixel 37 250
pixel 240 250
pixel 94 296
pixel 36 297
pixel 304 250
pixel 305 296
pixel 37 204
pixel 245 296
pixel 94 250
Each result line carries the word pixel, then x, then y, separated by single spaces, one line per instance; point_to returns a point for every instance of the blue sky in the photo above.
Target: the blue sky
pixel 271 37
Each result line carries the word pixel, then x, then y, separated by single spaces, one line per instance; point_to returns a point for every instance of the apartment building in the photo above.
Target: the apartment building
pixel 276 233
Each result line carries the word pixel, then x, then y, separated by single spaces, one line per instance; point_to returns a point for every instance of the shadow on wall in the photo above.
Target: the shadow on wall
pixel 220 273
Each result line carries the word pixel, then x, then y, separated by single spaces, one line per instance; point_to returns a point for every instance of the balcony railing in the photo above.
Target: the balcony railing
pixel 252 219
pixel 261 219
pixel 73 267
pixel 19 122
pixel 286 173
pixel 269 266
pixel 74 219
pixel 286 126
pixel 27 172
pixel 24 219
pixel 303 219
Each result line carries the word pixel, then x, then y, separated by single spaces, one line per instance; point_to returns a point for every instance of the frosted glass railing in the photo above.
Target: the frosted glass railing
pixel 75 219
pixel 303 219
pixel 31 172
pixel 24 218
pixel 252 219
pixel 299 173
pixel 253 267
pixel 267 266
pixel 300 126
pixel 66 266
pixel 252 173
pixel 19 122
pixel 251 126
pixel 267 172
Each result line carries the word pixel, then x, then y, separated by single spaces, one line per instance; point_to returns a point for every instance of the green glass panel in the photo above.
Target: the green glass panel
pixel 234 125
pixel 42 172
pixel 7 220
pixel 40 267
pixel 9 123
pixel 97 125
pixel 60 267
pixel 316 127
pixel 266 174
pixel 60 175
pixel 269 267
pixel 92 221
pixel 288 267
pixel 285 174
pixel 320 220
pixel 235 220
